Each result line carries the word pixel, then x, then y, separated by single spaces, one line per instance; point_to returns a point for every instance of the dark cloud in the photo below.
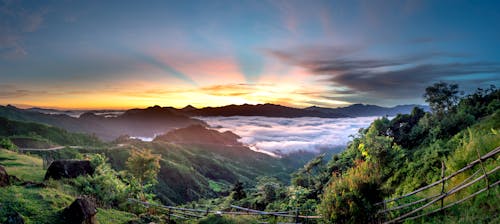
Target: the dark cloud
pixel 396 78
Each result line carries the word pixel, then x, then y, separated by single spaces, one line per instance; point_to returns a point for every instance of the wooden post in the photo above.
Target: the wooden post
pixel 297 215
pixel 484 171
pixel 208 210
pixel 384 218
pixel 442 186
pixel 168 216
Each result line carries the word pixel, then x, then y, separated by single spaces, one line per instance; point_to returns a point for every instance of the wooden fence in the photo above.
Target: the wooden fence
pixel 189 213
pixel 439 198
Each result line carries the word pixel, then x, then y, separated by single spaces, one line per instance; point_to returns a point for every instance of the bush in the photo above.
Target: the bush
pixel 104 185
pixel 7 144
pixel 350 198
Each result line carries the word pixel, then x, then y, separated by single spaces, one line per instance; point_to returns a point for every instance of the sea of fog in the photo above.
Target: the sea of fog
pixel 281 136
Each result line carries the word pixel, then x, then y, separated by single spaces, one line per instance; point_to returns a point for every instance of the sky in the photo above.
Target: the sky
pixel 124 54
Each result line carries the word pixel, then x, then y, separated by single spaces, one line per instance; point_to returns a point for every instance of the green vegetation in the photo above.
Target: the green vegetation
pixel 41 135
pixel 42 205
pixel 214 219
pixel 405 153
pixel 22 166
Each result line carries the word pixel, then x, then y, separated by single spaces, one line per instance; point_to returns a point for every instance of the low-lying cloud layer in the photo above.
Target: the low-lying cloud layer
pixel 281 136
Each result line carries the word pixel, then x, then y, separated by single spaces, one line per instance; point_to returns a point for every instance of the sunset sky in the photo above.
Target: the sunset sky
pixel 124 54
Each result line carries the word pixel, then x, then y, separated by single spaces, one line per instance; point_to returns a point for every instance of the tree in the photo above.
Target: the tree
pixel 441 97
pixel 238 192
pixel 143 166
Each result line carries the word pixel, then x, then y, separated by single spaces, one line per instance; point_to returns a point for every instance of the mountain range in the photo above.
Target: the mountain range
pixel 151 121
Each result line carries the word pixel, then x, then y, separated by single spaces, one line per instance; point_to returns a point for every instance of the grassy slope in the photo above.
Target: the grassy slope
pixel 40 205
pixel 484 136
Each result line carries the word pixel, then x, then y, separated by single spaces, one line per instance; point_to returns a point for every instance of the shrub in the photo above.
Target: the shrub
pixel 104 185
pixel 350 198
pixel 7 144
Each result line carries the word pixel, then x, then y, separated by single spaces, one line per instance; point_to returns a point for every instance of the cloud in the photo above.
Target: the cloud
pixel 281 136
pixel 17 93
pixel 15 22
pixel 403 77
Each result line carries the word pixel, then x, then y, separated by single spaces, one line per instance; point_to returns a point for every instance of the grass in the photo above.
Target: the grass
pixel 36 205
pixel 42 205
pixel 217 187
pixel 27 168
pixel 111 216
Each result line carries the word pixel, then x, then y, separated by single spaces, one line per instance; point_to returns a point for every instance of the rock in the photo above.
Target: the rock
pixel 14 180
pixel 81 211
pixel 31 184
pixel 15 218
pixel 68 169
pixel 4 177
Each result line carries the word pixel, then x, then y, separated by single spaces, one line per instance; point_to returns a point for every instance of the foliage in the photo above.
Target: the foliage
pixel 350 198
pixel 441 97
pixel 238 193
pixel 215 219
pixel 143 166
pixel 42 205
pixel 5 143
pixel 406 152
pixel 268 189
pixel 44 132
pixel 104 185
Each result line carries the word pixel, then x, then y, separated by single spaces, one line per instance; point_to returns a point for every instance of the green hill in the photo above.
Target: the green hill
pixel 41 205
pixel 35 135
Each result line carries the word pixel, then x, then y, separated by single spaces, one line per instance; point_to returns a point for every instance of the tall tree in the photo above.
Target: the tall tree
pixel 441 97
pixel 143 166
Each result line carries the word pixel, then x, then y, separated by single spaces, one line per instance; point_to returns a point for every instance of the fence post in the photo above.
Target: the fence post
pixel 168 216
pixel 484 171
pixel 297 215
pixel 385 213
pixel 208 210
pixel 442 186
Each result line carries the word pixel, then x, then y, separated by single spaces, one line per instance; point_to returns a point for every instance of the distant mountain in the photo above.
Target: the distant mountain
pixel 273 110
pixel 364 110
pixel 108 125
pixel 266 110
pixel 135 122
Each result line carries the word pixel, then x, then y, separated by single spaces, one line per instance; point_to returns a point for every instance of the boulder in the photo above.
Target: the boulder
pixel 68 169
pixel 15 218
pixel 81 211
pixel 4 177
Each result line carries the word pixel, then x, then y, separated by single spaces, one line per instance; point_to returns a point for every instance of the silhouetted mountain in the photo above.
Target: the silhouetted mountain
pixel 266 110
pixel 188 108
pixel 135 122
pixel 272 110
